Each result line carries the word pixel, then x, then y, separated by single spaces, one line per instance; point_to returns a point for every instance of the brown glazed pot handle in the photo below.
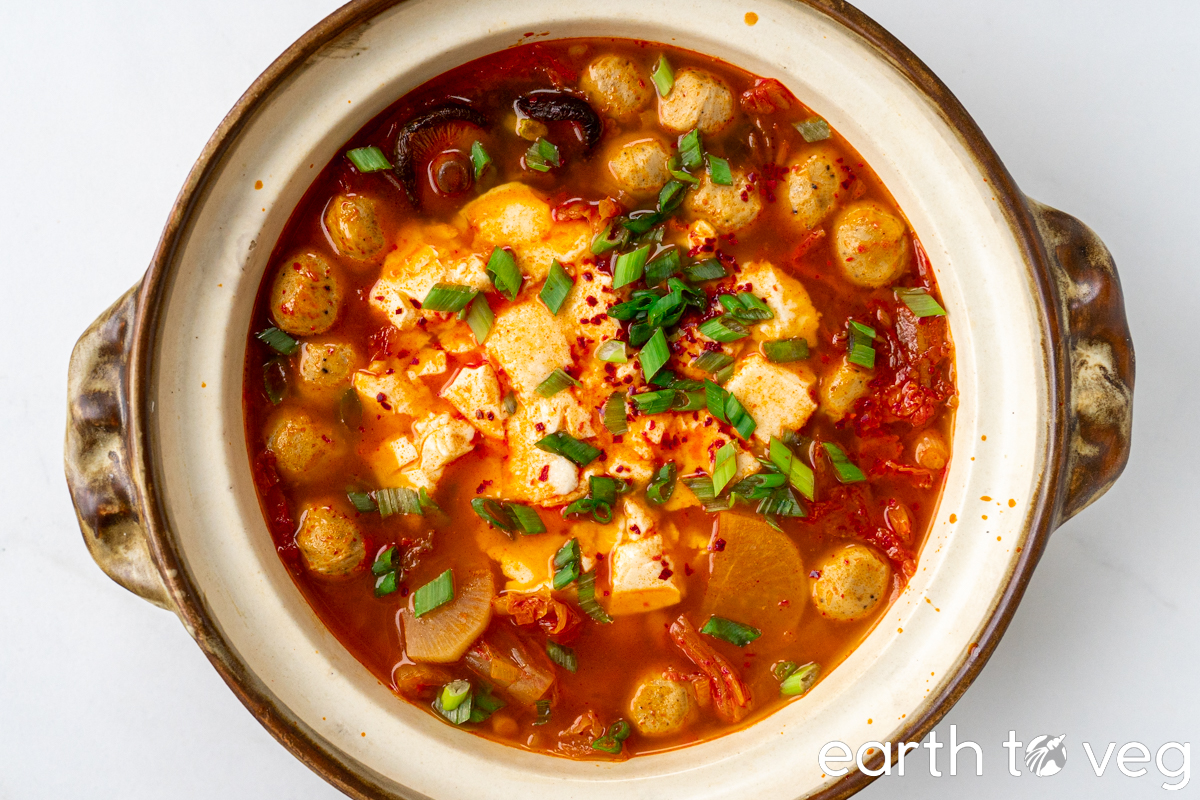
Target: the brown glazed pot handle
pixel 97 453
pixel 1097 349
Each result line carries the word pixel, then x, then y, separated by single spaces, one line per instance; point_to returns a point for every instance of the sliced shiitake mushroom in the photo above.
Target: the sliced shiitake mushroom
pixel 439 142
pixel 551 106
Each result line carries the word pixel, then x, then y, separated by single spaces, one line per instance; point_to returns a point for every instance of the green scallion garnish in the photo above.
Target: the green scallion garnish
pixel 542 156
pixel 447 297
pixel 437 592
pixel 480 318
pixel 799 681
pixel 724 467
pixel 746 307
pixel 712 361
pixel 510 403
pixel 386 583
pixel 504 273
pixel 702 271
pixel 454 694
pixel 368 159
pixel 739 417
pixel 846 471
pixel 662 485
pixel 612 351
pixel 543 712
pixel 398 500
pixel 613 237
pixel 814 129
pixel 278 341
pixel 691 152
pixel 654 402
pixel 670 196
pixel 508 516
pixel 921 302
pixel 362 502
pixel 662 266
pixel 562 655
pixel 673 167
pixel 565 445
pixel 724 329
pixel 567 564
pixel 663 76
pixel 586 588
pixel 781 351
pixel 718 170
pixel 858 347
pixel 479 159
pixel 655 354
pixel 614 414
pixel 384 562
pixel 527 520
pixel 555 382
pixel 275 379
pixel 557 287
pixel 799 474
pixel 484 704
pixel 629 266
pixel 714 397
pixel 733 632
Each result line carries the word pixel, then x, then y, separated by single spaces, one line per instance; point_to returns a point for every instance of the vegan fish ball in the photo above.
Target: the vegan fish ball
pixel 306 296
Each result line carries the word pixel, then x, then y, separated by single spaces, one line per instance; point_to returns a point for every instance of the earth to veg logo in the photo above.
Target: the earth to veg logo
pixel 1046 756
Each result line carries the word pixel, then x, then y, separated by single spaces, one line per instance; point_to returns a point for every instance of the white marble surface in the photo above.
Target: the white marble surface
pixel 1092 105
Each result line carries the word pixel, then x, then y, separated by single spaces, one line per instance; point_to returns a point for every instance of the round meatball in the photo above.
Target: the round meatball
pixel 660 707
pixel 303 448
pixel 640 167
pixel 330 542
pixel 353 228
pixel 698 99
pixel 841 388
pixel 306 295
pixel 872 245
pixel 853 580
pixel 326 367
pixel 813 189
pixel 617 87
pixel 726 208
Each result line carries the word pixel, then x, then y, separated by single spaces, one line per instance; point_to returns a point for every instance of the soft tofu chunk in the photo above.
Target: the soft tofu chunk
pixel 634 457
pixel 428 362
pixel 527 344
pixel 795 315
pixel 698 99
pixel 384 389
pixel 841 389
pixel 388 299
pixel 698 437
pixel 777 398
pixel 514 215
pixel 701 237
pixel 639 520
pixel 569 242
pixel 533 475
pixel 441 440
pixel 642 577
pixel 475 392
pixel 390 458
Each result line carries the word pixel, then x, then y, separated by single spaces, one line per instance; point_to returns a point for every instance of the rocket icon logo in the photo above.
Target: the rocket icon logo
pixel 1046 756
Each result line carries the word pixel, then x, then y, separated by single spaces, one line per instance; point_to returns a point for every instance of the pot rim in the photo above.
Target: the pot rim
pixel 350 775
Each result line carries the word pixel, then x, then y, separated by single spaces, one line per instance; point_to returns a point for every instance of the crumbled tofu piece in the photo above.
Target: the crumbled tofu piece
pixel 526 560
pixel 776 397
pixel 390 458
pixel 634 457
pixel 639 520
pixel 701 237
pixel 795 315
pixel 515 216
pixel 841 389
pixel 697 437
pixel 429 362
pixel 383 389
pixel 569 242
pixel 527 344
pixel 533 475
pixel 413 272
pixel 475 392
pixel 642 578
pixel 387 298
pixel 442 439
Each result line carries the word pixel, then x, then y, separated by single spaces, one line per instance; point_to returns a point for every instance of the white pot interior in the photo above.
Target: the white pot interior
pixel 204 470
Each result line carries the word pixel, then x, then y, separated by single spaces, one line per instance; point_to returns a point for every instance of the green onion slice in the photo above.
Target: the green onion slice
pixel 557 287
pixel 724 329
pixel 673 167
pixel 921 302
pixel 555 382
pixel 562 655
pixel 504 273
pixel 715 399
pixel 629 266
pixel 362 502
pixel 587 598
pixel 712 361
pixel 493 512
pixel 654 402
pixel 724 467
pixel 480 318
pixel 613 237
pixel 662 485
pixel 542 156
pixel 605 488
pixel 448 297
pixel 709 270
pixel 799 474
pixel 484 704
pixel 612 351
pixel 278 341
pixel 663 76
pixel 398 500
pixel 275 380
pixel 614 414
pixel 454 694
pixel 461 713
pixel 527 520
pixel 655 354
pixel 386 583
pixel 543 712
pixel 385 562
pixel 567 564
pixel 847 472
pixel 565 445
pixel 718 170
pixel 691 152
pixel 814 129
pixel 662 266
pixel 733 632
pixel 692 400
pixel 437 592
pixel 510 403
pixel 479 158
pixel 781 351
pixel 368 159
pixel 800 681
pixel 739 417
pixel 670 196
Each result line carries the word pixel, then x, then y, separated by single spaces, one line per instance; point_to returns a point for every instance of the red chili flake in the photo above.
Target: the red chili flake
pixel 635 528
pixel 481 487
pixel 816 573
pixel 541 426
pixel 627 379
pixel 591 301
pixel 687 569
pixel 544 475
pixel 717 546
pixel 381 398
pixel 618 439
pixel 479 414
pixel 326 439
pixel 599 556
pixel 666 572
pixel 599 318
pixel 417 304
pixel 782 603
pixel 390 371
pixel 587 276
pixel 491 415
pixel 415 360
pixel 404 591
pixel 652 425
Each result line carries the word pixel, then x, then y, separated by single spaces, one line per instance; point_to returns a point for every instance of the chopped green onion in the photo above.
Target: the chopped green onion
pixel 718 170
pixel 528 521
pixel 693 400
pixel 543 711
pixel 702 271
pixel 781 351
pixel 484 704
pixel 745 307
pixel 368 159
pixel 504 273
pixel 629 266
pixel 670 197
pixel 800 681
pixel 724 329
pixel 567 446
pixel 612 351
pixel 398 500
pixel 454 694
pixel 858 346
pixel 847 472
pixel 733 632
pixel 555 382
pixel 620 730
pixel 723 374
pixel 799 474
pixel 587 598
pixel 510 403
pixel 567 564
pixel 278 341
pixel 666 310
pixel 614 414
pixel 783 669
pixel 673 167
pixel 604 488
pixel 701 485
pixel 448 297
pixel 691 152
pixel 601 511
pixel 664 378
pixel 557 287
pixel 606 744
pixel 275 380
pixel 654 402
pixel 714 397
pixel 662 266
pixel 663 76
pixel 362 502
pixel 738 417
pixel 662 485
pixel 479 158
pixel 813 129
pixel 480 318
pixel 724 467
pixel 655 354
pixel 613 738
pixel 562 655
pixel 437 592
pixel 640 333
pixel 385 562
pixel 462 710
pixel 493 512
pixel 542 156
pixel 386 583
pixel 921 302
pixel 612 237
pixel 712 361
